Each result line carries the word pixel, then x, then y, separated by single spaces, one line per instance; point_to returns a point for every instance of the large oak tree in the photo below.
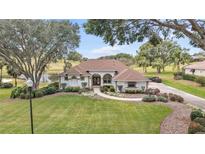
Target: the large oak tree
pixel 129 31
pixel 30 45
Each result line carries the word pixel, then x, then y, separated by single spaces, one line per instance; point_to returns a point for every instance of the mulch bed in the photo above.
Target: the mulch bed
pixel 178 121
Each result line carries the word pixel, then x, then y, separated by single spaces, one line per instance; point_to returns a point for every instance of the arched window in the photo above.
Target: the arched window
pixel 107 78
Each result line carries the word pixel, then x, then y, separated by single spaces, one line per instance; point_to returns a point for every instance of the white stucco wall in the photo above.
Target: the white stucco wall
pixel 139 85
pixel 197 72
pixel 75 82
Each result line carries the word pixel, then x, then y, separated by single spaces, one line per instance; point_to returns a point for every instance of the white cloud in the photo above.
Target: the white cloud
pixel 106 51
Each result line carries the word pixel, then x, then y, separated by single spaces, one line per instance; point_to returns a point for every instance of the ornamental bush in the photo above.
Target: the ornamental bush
pixel 16 92
pixel 72 89
pixel 196 128
pixel 152 91
pixel 200 80
pixel 201 121
pixel 54 84
pixel 189 77
pixel 149 98
pixel 162 99
pixel 196 114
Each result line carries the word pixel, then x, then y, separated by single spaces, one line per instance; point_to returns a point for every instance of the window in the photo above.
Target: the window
pixel 107 78
pixel 131 84
pixel 66 77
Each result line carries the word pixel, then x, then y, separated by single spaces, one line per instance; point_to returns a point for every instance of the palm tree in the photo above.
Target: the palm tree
pixel 180 57
pixel 14 73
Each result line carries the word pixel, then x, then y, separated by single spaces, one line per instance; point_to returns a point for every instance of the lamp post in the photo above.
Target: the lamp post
pixel 29 83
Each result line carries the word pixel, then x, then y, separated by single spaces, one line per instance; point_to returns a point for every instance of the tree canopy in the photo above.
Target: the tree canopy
pixel 123 57
pixel 74 55
pixel 128 31
pixel 30 45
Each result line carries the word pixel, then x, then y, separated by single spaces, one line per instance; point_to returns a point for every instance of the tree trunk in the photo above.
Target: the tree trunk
pixel 15 81
pixel 158 70
pixel 1 76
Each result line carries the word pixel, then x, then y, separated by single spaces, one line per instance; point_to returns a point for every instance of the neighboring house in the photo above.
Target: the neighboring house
pixel 197 68
pixel 103 72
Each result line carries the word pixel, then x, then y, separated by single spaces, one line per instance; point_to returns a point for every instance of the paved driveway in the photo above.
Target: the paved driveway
pixel 190 99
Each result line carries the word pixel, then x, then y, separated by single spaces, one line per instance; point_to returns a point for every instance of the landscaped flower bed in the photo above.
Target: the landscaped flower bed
pixel 197 126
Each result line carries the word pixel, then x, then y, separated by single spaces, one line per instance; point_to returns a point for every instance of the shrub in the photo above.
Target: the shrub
pixel 23 96
pixel 107 88
pixel 152 91
pixel 72 89
pixel 38 93
pixel 178 74
pixel 129 91
pixel 200 80
pixel 6 85
pixel 16 92
pixel 49 90
pixel 164 95
pixel 195 128
pixel 189 77
pixel 196 114
pixel 201 121
pixel 178 77
pixel 149 98
pixel 162 99
pixel 177 98
pixel 63 85
pixel 54 84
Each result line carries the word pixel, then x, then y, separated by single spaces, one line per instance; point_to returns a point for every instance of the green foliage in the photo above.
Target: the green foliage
pixel 74 55
pixel 38 94
pixel 200 120
pixel 196 128
pixel 177 98
pixel 152 91
pixel 125 58
pixel 107 88
pixel 196 114
pixel 47 41
pixel 49 90
pixel 16 92
pixel 72 89
pixel 200 80
pixel 149 98
pixel 55 85
pixel 162 99
pixel 189 77
pixel 6 85
pixel 134 91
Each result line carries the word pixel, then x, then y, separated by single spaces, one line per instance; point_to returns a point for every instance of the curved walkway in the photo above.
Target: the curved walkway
pixel 178 121
pixel 98 92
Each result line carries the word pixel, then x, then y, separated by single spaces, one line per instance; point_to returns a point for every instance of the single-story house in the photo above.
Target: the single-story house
pixel 97 73
pixel 197 68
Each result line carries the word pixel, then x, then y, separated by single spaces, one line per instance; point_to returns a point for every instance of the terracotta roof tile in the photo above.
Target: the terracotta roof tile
pixel 124 72
pixel 197 65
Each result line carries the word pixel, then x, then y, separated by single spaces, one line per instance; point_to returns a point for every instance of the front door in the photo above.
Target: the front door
pixel 96 80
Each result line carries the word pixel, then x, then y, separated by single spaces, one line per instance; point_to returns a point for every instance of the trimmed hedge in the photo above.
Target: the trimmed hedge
pixel 149 98
pixel 107 88
pixel 72 89
pixel 200 80
pixel 162 99
pixel 134 91
pixel 196 114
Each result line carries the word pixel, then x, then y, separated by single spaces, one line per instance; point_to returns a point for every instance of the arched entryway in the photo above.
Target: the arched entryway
pixel 96 80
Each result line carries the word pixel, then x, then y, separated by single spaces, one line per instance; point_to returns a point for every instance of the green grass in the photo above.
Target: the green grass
pixel 184 85
pixel 79 114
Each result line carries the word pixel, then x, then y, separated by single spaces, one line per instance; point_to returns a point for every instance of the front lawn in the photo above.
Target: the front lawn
pixel 80 114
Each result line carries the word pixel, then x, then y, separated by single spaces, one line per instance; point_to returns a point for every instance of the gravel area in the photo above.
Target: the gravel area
pixel 178 121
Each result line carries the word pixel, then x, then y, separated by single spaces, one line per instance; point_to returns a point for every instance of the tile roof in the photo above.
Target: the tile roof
pixel 197 65
pixel 124 72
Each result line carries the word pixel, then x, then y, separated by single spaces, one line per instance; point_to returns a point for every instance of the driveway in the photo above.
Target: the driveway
pixel 190 99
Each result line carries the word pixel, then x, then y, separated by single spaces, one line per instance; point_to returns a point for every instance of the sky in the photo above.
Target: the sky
pixel 93 47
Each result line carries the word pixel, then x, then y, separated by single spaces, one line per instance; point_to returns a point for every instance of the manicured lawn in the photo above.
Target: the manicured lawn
pixel 79 114
pixel 184 85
